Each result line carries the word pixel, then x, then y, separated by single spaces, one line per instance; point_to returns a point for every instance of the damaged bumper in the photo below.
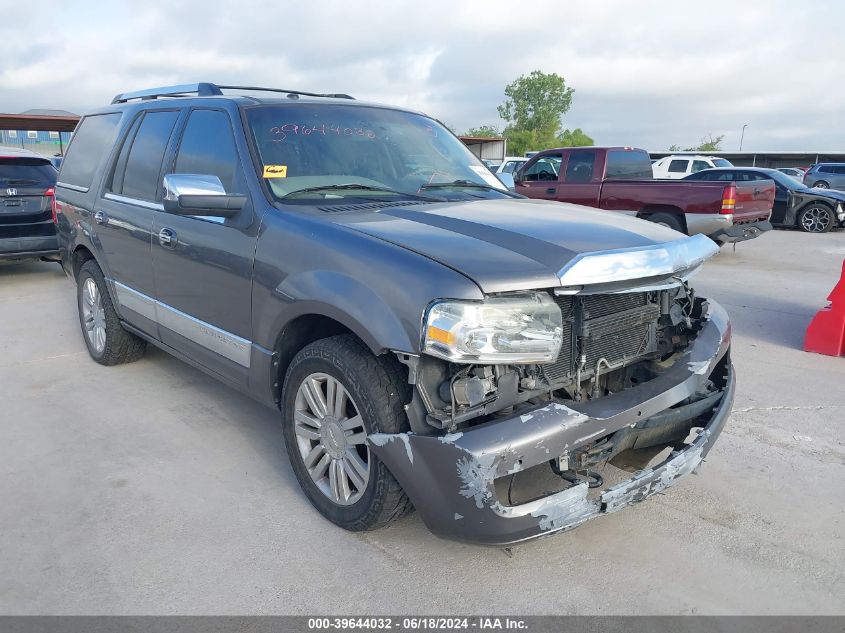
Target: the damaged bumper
pixel 450 479
pixel 741 232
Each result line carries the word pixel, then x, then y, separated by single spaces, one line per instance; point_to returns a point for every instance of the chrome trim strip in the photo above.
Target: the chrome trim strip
pixel 630 264
pixel 135 301
pixel 228 345
pixel 67 185
pixel 208 336
pixel 155 206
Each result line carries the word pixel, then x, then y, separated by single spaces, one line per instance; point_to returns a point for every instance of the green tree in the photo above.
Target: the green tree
pixel 484 131
pixel 533 110
pixel 574 138
pixel 708 143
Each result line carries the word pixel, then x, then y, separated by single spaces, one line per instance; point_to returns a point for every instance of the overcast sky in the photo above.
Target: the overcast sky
pixel 645 73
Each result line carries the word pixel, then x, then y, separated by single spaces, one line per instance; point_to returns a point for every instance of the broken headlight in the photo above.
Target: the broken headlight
pixel 518 328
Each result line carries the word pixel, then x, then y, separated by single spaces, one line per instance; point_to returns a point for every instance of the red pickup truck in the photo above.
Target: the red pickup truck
pixel 620 179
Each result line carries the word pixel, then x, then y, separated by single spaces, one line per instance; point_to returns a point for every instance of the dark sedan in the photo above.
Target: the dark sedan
pixel 812 210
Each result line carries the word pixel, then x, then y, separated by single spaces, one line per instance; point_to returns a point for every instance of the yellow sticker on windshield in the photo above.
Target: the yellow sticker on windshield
pixel 275 171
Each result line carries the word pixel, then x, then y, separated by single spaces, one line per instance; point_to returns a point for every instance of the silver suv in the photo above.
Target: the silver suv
pixel 826 176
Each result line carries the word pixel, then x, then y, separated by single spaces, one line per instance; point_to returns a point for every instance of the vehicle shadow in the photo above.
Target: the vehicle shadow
pixel 29 267
pixel 261 428
pixel 765 318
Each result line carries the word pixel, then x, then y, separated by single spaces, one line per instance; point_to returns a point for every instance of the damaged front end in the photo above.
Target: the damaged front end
pixel 501 453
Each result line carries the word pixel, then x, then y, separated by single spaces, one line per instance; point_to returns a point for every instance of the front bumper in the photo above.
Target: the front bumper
pixel 450 479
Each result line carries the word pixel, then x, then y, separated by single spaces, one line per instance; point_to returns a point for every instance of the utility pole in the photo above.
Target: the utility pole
pixel 742 136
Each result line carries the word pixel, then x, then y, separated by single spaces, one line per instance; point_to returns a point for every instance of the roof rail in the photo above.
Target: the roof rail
pixel 205 89
pixel 328 95
pixel 201 89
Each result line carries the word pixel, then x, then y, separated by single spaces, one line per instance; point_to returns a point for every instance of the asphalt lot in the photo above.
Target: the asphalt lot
pixel 151 488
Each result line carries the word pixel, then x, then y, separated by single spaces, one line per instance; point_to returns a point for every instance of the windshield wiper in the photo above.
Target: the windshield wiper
pixel 358 186
pixel 466 184
pixel 21 181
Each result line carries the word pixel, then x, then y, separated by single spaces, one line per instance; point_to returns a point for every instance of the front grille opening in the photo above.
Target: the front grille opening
pixel 614 330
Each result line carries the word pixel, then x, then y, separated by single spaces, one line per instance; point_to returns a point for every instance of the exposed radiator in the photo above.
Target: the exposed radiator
pixel 620 328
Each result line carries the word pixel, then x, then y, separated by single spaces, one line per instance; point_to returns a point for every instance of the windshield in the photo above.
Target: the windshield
pixel 721 162
pixel 784 180
pixel 325 148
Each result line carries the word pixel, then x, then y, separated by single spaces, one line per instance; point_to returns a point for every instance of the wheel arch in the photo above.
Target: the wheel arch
pixel 653 209
pixel 79 256
pixel 307 328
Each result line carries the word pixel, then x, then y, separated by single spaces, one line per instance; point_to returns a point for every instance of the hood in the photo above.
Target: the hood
pixel 825 194
pixel 507 244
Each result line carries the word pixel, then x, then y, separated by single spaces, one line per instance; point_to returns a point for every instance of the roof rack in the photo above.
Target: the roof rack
pixel 205 89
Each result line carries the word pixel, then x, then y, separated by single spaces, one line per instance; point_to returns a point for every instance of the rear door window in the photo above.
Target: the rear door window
pixel 92 141
pixel 625 164
pixel 579 167
pixel 145 155
pixel 678 166
pixel 699 165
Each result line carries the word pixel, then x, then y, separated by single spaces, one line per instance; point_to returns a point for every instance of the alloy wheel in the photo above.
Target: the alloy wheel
pixel 93 316
pixel 815 220
pixel 331 438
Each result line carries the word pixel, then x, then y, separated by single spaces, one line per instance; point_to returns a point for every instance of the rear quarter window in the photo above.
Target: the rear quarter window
pixel 92 142
pixel 628 165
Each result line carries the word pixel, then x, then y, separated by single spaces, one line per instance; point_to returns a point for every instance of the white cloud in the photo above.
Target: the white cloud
pixel 644 73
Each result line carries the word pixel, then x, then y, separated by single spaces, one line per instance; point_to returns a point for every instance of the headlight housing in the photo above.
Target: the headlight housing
pixel 518 328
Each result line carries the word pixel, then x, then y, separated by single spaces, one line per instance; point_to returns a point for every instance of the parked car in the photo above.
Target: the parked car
pixel 826 176
pixel 796 205
pixel 27 182
pixel 427 336
pixel 678 166
pixel 510 164
pixel 793 172
pixel 620 179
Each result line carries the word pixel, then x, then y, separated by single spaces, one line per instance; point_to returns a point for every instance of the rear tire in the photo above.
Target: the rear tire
pixel 666 219
pixel 816 218
pixel 326 443
pixel 107 342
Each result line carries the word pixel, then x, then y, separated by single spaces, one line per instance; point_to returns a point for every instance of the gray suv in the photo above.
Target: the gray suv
pixel 826 176
pixel 431 340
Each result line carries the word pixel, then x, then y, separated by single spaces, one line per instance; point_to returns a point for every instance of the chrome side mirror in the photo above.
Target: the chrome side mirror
pixel 199 194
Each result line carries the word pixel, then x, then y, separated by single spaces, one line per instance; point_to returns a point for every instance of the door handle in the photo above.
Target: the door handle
pixel 551 190
pixel 757 192
pixel 100 217
pixel 167 238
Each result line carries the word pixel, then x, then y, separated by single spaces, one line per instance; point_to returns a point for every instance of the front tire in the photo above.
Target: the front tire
pixel 816 218
pixel 336 394
pixel 107 342
pixel 821 184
